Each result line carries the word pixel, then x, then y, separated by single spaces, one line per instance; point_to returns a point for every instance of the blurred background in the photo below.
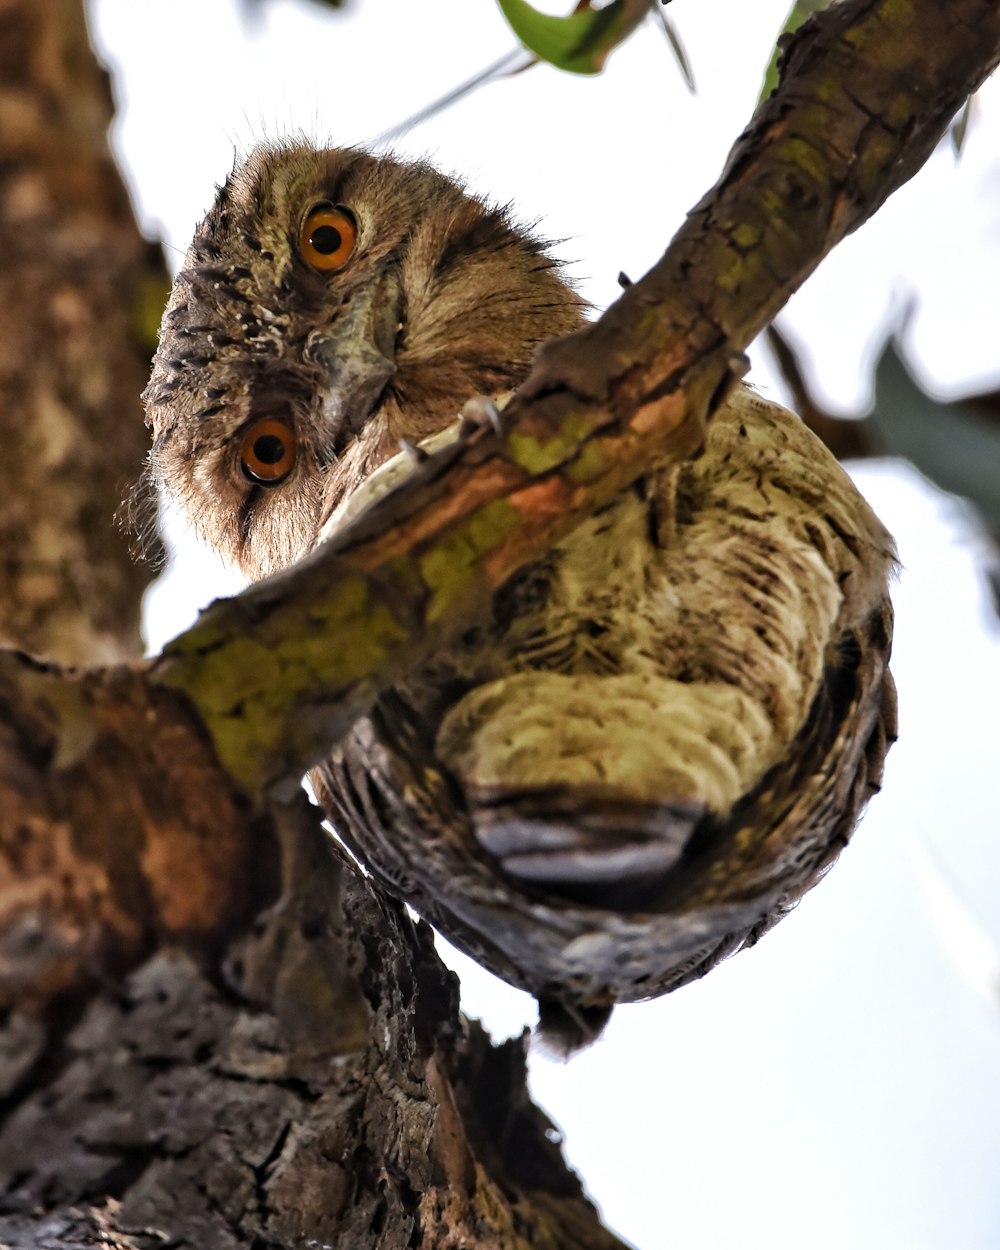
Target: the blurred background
pixel 840 1083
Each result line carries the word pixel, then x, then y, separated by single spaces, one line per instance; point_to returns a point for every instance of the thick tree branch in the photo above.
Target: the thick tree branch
pixel 118 831
pixel 308 1077
pixel 277 674
pixel 261 686
pixel 866 90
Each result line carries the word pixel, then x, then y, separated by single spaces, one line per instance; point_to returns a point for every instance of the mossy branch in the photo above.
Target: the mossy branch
pixel 867 88
pixel 122 837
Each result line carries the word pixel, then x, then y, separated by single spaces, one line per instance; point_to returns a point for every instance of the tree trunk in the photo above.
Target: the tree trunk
pixel 214 1032
pixel 75 281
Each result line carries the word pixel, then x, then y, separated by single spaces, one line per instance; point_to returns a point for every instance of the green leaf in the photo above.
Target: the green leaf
pixel 800 11
pixel 581 42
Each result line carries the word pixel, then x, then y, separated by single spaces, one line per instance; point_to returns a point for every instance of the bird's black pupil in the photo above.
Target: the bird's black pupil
pixel 326 240
pixel 268 449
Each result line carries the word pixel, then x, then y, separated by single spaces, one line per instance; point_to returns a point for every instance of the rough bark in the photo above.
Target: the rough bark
pixel 171 1070
pixel 180 1067
pixel 75 281
pixel 316 1083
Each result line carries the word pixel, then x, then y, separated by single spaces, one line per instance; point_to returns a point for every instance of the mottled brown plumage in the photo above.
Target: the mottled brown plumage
pixel 663 732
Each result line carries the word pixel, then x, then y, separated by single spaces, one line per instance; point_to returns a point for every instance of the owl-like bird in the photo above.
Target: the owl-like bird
pixel 662 733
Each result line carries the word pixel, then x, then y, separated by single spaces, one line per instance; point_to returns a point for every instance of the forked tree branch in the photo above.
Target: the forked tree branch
pixel 308 1077
pixel 262 685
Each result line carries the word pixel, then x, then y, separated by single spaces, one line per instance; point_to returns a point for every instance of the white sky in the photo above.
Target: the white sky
pixel 838 1085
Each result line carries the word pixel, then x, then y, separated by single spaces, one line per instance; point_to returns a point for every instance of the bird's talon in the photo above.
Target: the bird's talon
pixel 739 364
pixel 416 454
pixel 481 411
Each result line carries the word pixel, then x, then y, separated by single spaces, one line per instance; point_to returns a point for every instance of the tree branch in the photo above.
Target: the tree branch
pixel 277 674
pixel 866 90
pixel 309 1076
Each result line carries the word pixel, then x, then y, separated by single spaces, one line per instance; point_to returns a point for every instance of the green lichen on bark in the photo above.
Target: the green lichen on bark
pixel 538 455
pixel 288 1153
pixel 845 128
pixel 451 570
pixel 247 685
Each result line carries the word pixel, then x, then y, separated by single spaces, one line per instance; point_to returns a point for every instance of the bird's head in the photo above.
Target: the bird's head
pixel 331 304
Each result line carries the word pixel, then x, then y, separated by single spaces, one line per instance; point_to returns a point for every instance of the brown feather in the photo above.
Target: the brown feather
pixel 666 730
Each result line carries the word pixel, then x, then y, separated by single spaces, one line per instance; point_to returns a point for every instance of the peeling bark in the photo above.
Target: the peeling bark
pixel 178 1066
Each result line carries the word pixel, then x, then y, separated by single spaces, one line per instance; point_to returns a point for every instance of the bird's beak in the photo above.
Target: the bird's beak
pixel 358 352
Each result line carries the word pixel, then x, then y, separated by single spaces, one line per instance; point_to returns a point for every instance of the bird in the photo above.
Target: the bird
pixel 661 733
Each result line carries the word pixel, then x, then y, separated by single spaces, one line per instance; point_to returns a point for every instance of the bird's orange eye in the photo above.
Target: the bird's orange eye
pixel 268 452
pixel 327 238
